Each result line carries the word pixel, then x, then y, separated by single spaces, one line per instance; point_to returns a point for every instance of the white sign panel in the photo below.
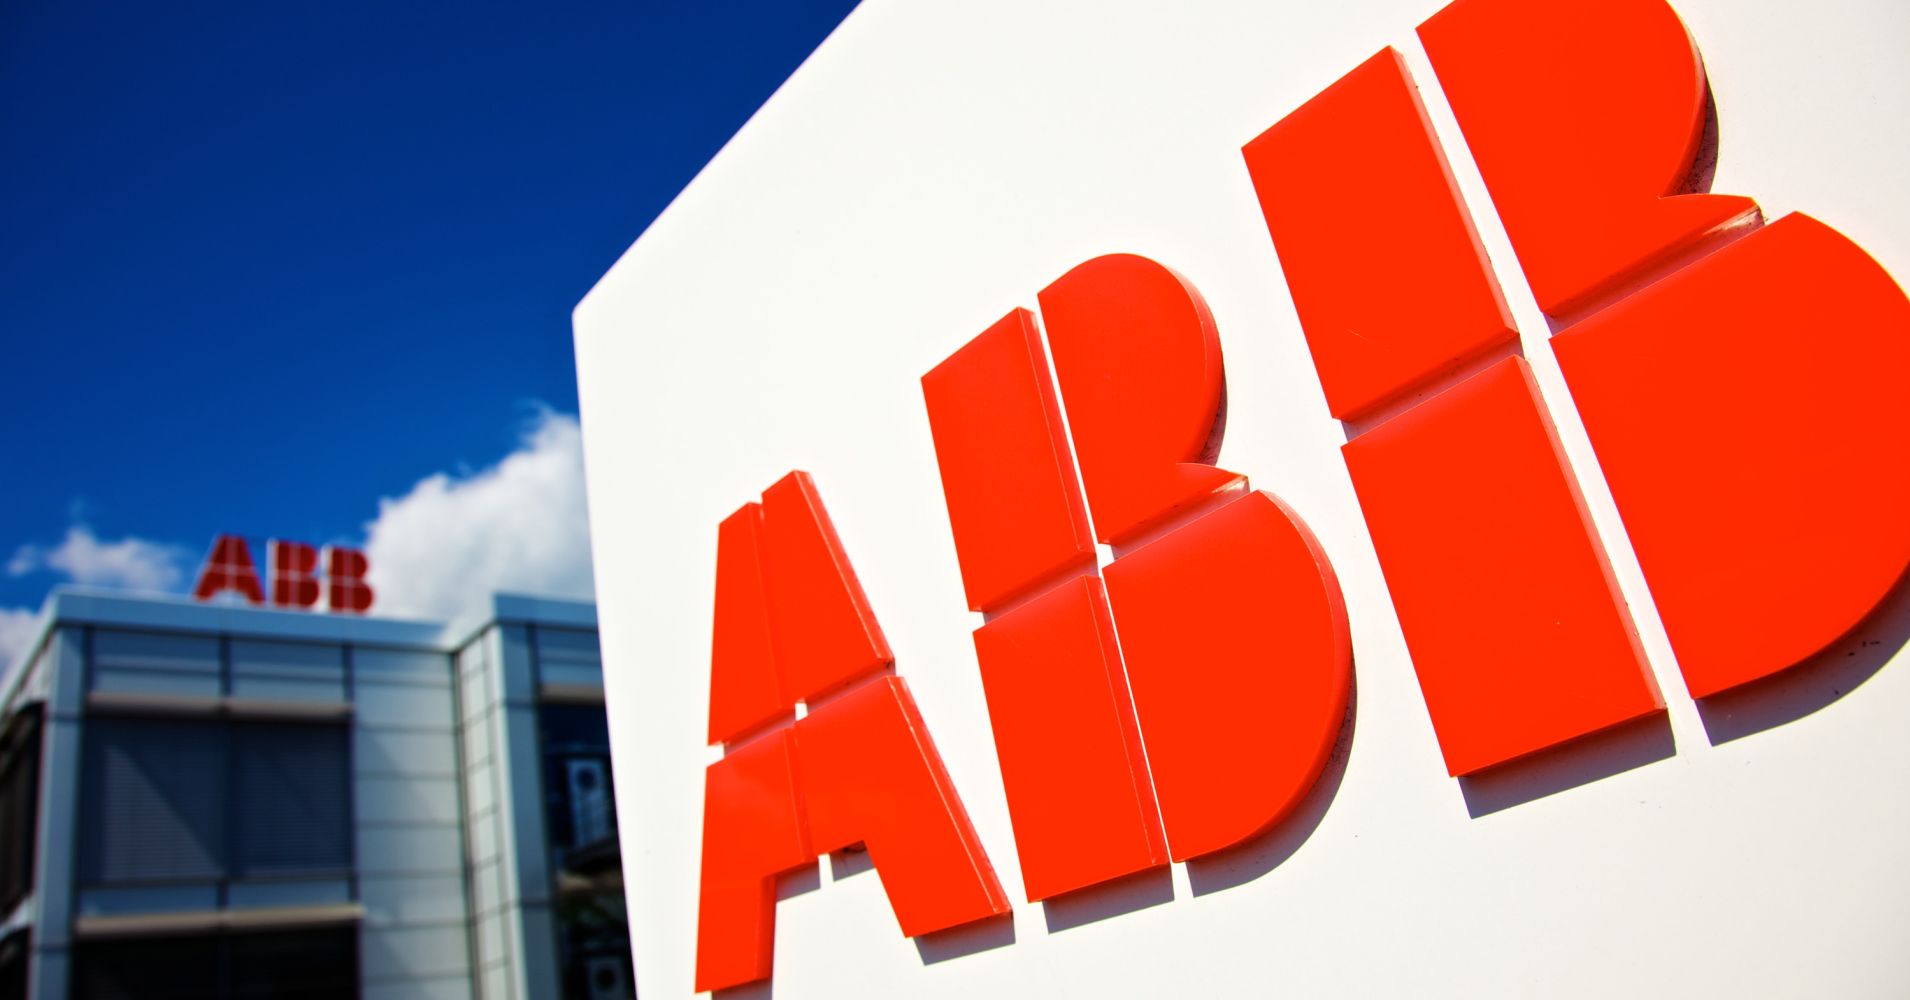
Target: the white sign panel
pixel 933 167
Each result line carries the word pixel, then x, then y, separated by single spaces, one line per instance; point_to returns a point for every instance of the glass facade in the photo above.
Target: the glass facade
pixel 154 663
pixel 287 671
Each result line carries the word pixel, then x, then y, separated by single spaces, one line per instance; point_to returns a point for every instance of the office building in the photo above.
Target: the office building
pixel 210 801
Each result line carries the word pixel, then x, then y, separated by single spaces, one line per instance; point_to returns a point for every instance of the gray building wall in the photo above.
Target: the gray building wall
pixel 413 941
pixel 498 723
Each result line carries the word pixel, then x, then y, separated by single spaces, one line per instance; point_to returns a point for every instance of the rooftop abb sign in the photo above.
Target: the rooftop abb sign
pixel 1736 379
pixel 295 571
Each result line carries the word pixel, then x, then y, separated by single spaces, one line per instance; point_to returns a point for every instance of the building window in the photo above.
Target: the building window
pixel 593 935
pixel 154 802
pixel 15 948
pixel 581 799
pixel 192 666
pixel 287 671
pixel 292 800
pixel 292 965
pixel 568 656
pixel 19 805
pixel 213 802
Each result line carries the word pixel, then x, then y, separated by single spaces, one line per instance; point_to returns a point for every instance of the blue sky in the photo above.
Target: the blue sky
pixel 262 265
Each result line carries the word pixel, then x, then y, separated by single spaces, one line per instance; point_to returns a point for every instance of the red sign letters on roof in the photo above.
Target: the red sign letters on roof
pixel 294 571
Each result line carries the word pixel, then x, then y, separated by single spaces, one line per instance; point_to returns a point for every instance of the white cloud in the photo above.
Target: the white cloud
pixel 16 630
pixel 520 525
pixel 130 563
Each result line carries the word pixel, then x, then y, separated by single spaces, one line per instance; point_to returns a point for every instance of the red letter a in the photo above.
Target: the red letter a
pixel 229 567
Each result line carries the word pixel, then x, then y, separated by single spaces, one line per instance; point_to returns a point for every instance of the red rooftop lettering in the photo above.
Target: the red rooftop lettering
pixel 294 574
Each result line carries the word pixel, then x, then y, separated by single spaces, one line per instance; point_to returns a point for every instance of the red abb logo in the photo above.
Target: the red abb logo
pixel 1185 697
pixel 793 627
pixel 294 572
pixel 1737 381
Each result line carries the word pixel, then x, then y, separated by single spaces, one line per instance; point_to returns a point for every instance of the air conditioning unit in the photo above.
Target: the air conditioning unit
pixel 606 978
pixel 589 780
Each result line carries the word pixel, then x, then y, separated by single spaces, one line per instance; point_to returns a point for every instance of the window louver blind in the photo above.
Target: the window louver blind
pixel 173 801
pixel 154 805
pixel 292 791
